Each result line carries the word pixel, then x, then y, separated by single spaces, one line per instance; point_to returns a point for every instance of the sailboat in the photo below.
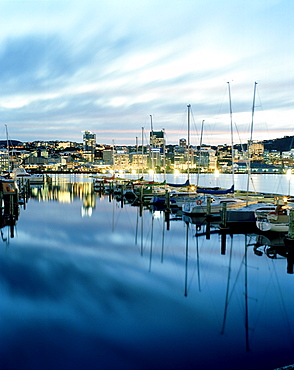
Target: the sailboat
pixel 276 220
pixel 212 200
pixel 206 205
pixel 176 196
pixel 246 216
pixel 187 183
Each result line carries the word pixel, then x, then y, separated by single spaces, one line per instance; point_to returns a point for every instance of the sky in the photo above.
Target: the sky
pixel 108 66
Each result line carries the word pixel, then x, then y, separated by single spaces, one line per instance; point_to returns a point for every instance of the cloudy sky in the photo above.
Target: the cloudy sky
pixel 106 65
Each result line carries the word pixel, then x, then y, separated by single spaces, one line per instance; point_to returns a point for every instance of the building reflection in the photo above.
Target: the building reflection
pixel 65 192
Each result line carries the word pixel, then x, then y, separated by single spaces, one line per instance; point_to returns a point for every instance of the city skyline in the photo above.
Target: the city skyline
pixel 106 66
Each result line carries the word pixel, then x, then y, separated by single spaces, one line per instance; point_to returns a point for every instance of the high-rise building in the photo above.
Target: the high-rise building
pixel 157 140
pixel 183 143
pixel 89 145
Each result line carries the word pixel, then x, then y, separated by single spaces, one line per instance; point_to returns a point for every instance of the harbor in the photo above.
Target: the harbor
pixel 91 281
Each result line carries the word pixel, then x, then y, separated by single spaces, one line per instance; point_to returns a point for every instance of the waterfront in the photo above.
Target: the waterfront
pixel 87 283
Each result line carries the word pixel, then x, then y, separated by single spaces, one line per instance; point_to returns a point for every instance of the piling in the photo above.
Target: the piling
pixel 207 230
pixel 12 223
pixel 167 220
pixel 289 239
pixel 290 260
pixel 167 201
pixel 141 200
pixel 224 216
pixel 208 207
pixel 223 243
pixel 122 189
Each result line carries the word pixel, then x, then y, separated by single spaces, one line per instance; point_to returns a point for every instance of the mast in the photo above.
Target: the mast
pixel 113 160
pixel 151 145
pixel 188 168
pixel 164 159
pixel 137 154
pixel 200 145
pixel 250 141
pixel 232 138
pixel 7 144
pixel 142 155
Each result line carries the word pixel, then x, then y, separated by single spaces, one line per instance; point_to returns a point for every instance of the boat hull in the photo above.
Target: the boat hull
pixel 272 226
pixel 202 208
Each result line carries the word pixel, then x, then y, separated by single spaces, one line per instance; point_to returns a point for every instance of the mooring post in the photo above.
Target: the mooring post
pixel 122 189
pixel 224 215
pixel 207 231
pixel 28 188
pixel 208 206
pixel 291 225
pixel 12 222
pixel 290 261
pixel 223 242
pixel 167 200
pixel 141 200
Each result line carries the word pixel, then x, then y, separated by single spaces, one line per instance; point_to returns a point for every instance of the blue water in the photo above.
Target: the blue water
pixel 88 284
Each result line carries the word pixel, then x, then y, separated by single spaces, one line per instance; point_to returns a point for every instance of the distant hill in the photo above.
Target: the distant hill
pixel 281 145
pixel 12 143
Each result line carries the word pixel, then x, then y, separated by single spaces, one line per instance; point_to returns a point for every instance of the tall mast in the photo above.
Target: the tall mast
pixel 137 153
pixel 142 148
pixel 250 140
pixel 232 137
pixel 199 154
pixel 7 144
pixel 189 107
pixel 113 159
pixel 151 145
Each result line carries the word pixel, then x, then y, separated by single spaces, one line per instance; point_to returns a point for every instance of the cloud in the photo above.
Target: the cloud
pixel 113 63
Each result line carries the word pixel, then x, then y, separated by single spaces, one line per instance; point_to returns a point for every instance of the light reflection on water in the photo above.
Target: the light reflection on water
pixel 116 290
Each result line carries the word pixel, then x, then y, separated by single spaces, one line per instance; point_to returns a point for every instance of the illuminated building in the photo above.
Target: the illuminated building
pixel 89 145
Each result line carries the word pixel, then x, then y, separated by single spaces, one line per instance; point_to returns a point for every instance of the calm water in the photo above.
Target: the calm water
pixel 88 284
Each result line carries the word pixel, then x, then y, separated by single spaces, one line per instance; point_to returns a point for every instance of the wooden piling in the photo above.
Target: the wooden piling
pixel 291 225
pixel 167 201
pixel 223 243
pixel 122 189
pixel 289 239
pixel 224 216
pixel 208 207
pixel 141 200
pixel 207 231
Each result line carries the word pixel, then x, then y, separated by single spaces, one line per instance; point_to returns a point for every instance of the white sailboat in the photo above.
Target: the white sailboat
pixel 205 205
pixel 211 202
pixel 246 216
pixel 277 220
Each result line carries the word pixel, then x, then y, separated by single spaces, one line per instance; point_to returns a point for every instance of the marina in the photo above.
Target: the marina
pixel 91 280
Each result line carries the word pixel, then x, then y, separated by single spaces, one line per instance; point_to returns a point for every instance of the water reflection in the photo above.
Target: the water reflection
pixel 65 192
pixel 130 288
